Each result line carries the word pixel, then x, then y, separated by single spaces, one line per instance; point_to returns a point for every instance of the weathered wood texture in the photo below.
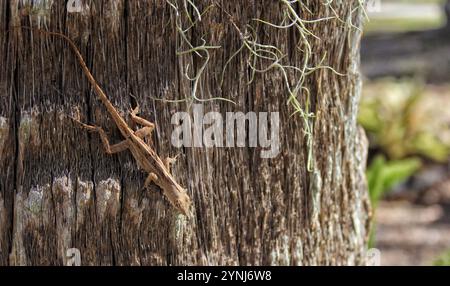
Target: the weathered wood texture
pixel 58 188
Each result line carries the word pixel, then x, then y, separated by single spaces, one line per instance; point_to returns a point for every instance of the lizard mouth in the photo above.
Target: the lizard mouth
pixel 179 199
pixel 184 204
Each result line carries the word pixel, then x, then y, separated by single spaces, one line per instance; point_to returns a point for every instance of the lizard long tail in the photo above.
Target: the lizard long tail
pixel 98 90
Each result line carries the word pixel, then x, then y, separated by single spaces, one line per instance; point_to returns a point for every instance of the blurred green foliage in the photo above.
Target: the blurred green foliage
pixel 405 122
pixel 403 119
pixel 443 260
pixel 382 175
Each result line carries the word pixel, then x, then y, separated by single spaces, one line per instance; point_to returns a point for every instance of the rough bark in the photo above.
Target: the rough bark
pixel 59 190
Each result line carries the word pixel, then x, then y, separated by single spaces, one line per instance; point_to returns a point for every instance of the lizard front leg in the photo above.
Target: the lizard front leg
pixel 152 177
pixel 148 128
pixel 139 120
pixel 169 161
pixel 144 132
pixel 110 149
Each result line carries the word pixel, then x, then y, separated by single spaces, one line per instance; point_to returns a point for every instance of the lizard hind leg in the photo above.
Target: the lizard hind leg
pixel 152 177
pixel 110 149
pixel 140 120
pixel 146 131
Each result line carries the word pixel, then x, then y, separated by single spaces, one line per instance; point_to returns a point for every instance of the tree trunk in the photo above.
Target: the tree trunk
pixel 60 190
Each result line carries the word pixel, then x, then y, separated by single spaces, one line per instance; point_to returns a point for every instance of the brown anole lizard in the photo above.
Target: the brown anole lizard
pixel 158 169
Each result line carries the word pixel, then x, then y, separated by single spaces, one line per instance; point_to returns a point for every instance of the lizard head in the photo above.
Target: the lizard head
pixel 179 198
pixel 183 203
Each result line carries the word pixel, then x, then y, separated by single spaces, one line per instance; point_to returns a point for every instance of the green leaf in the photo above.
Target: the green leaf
pixel 382 175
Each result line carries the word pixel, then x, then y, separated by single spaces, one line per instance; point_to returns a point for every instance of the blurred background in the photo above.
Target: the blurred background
pixel 405 110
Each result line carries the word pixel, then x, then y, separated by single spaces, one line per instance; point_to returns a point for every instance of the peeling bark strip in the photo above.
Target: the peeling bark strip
pixel 59 190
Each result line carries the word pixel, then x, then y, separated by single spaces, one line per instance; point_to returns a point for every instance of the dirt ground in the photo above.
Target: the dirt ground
pixel 414 232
